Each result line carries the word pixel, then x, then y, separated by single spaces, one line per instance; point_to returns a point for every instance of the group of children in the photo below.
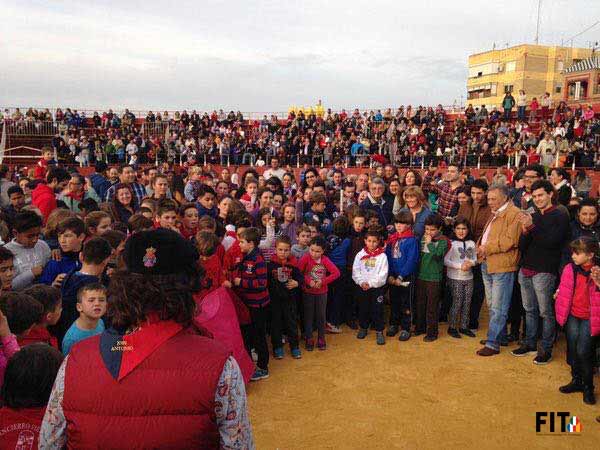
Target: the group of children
pixel 302 269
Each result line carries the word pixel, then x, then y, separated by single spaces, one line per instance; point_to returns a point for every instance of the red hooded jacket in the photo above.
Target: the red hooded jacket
pixel 44 199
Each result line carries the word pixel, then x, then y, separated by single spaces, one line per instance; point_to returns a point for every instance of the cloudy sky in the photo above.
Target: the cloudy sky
pixel 261 55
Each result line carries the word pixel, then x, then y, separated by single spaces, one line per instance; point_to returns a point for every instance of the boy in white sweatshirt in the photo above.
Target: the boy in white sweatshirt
pixel 31 253
pixel 369 272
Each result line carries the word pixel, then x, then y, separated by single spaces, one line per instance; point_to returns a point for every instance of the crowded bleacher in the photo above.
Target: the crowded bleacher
pixel 404 136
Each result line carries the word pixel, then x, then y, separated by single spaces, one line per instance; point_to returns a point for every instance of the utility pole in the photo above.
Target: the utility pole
pixel 537 28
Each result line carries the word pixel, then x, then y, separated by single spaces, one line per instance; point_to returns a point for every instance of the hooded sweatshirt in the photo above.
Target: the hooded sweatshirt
pixel 25 259
pixel 44 199
pixel 402 251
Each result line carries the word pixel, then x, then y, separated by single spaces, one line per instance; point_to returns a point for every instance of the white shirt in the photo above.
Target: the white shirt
pixel 279 173
pixel 373 270
pixel 486 233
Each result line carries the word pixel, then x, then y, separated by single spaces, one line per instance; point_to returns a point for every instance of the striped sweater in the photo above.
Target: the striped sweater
pixel 253 286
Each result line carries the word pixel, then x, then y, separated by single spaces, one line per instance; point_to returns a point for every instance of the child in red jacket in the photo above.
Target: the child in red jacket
pixel 211 259
pixel 319 272
pixel 43 165
pixel 27 385
pixel 51 300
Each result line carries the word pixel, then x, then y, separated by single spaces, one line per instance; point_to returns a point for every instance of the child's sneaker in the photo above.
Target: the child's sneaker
pixel 296 353
pixel 254 355
pixel 332 329
pixel 379 338
pixel 259 374
pixel 362 333
pixel 321 345
pixel 278 353
pixel 309 344
pixel 404 335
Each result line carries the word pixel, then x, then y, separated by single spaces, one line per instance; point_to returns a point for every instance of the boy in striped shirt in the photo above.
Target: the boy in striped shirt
pixel 250 281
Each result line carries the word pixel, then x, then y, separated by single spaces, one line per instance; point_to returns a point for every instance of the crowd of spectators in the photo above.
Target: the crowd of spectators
pixel 521 132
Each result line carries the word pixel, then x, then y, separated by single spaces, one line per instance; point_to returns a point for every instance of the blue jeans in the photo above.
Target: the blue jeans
pixel 498 293
pixel 537 292
pixel 580 350
pixel 521 112
pixel 248 157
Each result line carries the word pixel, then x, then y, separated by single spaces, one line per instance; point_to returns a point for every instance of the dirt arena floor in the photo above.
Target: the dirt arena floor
pixel 414 395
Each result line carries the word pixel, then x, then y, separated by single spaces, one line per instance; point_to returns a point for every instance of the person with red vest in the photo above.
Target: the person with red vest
pixel 158 382
pixel 43 197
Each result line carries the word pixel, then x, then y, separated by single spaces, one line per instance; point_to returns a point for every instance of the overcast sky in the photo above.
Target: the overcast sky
pixel 257 55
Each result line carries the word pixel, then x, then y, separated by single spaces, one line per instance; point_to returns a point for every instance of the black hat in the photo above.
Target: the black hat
pixel 160 252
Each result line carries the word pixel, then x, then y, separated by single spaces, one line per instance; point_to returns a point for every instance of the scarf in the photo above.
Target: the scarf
pixel 372 254
pixel 398 236
pixel 75 196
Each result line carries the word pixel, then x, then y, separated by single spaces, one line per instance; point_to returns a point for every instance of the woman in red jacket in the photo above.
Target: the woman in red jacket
pixel 151 380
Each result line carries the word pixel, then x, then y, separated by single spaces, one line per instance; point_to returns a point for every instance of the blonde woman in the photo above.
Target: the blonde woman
pixel 416 203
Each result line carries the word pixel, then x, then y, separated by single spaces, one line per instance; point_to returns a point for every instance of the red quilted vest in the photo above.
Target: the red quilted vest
pixel 167 402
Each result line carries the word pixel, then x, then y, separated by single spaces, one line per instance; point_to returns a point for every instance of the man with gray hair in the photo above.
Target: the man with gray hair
pixel 376 201
pixel 498 252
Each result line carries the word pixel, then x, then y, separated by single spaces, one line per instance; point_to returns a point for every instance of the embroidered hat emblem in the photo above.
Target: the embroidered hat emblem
pixel 149 258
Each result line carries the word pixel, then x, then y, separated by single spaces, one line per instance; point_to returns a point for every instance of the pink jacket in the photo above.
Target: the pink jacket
pixel 218 316
pixel 564 298
pixel 8 347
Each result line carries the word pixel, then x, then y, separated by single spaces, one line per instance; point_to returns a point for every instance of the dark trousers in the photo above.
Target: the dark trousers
pixel 401 308
pixel 336 299
pixel 516 312
pixel 477 300
pixel 580 350
pixel 283 320
pixel 446 300
pixel 350 312
pixel 315 306
pixel 370 308
pixel 427 299
pixel 255 335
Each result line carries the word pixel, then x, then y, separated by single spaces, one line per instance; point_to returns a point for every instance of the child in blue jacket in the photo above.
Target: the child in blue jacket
pixel 403 258
pixel 338 247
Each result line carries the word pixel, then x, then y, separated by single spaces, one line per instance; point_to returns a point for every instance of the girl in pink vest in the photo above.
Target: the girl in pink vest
pixel 578 311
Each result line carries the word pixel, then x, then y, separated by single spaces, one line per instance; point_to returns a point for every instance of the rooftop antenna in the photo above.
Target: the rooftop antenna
pixel 585 30
pixel 537 28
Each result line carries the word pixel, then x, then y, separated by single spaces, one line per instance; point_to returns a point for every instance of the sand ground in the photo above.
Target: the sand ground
pixel 414 395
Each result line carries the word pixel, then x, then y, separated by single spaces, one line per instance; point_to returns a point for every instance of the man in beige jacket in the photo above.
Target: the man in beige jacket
pixel 498 251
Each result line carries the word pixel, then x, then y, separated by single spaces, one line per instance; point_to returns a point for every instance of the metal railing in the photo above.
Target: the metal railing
pixel 248 115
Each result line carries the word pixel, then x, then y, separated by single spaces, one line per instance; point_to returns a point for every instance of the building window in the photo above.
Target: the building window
pixel 508 88
pixel 480 93
pixel 558 89
pixel 479 74
pixel 560 65
pixel 511 66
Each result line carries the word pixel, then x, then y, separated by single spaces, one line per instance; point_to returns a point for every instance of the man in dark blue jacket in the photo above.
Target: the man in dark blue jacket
pixel 376 201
